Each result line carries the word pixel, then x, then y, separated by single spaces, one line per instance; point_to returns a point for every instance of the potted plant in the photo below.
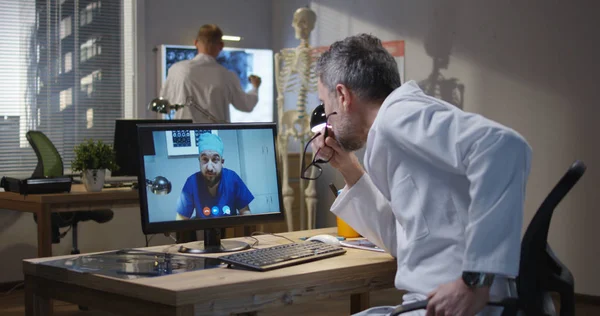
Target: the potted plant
pixel 92 159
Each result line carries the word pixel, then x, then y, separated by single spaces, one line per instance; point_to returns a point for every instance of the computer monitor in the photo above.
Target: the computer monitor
pixel 208 177
pixel 126 146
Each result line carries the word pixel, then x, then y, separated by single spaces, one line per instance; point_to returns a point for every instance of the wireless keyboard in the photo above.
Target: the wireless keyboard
pixel 283 255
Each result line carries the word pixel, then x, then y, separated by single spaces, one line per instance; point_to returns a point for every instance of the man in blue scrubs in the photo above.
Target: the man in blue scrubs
pixel 214 191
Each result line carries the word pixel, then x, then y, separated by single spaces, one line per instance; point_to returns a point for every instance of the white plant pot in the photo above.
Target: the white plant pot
pixel 94 179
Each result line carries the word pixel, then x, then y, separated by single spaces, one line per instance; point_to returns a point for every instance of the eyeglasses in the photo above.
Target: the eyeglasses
pixel 313 171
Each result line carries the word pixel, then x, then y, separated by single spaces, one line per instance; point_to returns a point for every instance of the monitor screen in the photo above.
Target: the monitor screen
pixel 125 144
pixel 205 176
pixel 243 62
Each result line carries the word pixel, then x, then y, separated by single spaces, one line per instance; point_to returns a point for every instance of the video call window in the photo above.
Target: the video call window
pixel 213 173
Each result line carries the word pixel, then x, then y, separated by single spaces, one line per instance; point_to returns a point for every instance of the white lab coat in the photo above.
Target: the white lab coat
pixel 443 192
pixel 212 86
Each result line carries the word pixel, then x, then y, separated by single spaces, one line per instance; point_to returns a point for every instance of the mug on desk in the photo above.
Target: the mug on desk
pixel 343 229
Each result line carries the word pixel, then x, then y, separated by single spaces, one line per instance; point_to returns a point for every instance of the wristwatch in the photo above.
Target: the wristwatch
pixel 477 279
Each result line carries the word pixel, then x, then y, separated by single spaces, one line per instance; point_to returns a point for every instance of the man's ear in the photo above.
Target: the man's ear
pixel 222 160
pixel 344 96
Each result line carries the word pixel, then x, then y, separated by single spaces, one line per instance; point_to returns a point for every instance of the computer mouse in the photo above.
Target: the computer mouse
pixel 327 239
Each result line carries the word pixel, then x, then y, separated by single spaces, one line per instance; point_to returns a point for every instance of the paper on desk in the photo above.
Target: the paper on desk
pixel 361 244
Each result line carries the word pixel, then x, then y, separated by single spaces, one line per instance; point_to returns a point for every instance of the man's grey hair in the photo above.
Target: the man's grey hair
pixel 362 64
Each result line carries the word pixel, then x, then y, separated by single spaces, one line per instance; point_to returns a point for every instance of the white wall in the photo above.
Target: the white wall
pixel 178 21
pixel 531 65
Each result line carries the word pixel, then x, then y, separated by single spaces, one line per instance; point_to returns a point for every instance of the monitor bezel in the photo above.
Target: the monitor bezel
pixel 117 140
pixel 210 223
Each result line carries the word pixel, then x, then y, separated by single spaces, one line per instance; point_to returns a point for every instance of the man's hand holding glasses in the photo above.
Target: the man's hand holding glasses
pixel 328 150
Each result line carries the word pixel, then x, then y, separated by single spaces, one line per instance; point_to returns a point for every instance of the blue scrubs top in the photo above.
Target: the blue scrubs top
pixel 232 195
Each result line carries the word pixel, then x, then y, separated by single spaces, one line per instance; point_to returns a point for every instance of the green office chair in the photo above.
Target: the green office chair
pixel 50 164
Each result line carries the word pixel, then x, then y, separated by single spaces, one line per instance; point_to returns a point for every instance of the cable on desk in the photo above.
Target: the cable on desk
pixel 255 241
pixel 152 236
pixel 254 244
pixel 148 240
pixel 263 233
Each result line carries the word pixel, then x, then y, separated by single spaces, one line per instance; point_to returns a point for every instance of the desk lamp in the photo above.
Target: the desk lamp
pixel 159 186
pixel 318 119
pixel 163 106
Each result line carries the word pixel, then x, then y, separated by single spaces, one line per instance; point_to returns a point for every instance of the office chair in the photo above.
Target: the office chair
pixel 540 271
pixel 50 164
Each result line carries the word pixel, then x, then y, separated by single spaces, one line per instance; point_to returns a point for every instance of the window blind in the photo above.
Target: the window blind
pixel 61 72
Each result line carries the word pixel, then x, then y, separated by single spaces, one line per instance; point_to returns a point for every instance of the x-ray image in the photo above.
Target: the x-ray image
pixel 240 62
pixel 243 62
pixel 178 54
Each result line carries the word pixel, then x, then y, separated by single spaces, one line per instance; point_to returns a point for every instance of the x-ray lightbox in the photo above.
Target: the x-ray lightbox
pixel 243 62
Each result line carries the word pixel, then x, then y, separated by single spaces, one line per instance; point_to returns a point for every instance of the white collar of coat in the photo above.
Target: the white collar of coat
pixel 410 87
pixel 407 90
pixel 205 57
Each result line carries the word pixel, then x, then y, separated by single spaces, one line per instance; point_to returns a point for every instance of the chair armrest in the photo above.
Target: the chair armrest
pixel 504 302
pixel 509 304
pixel 409 307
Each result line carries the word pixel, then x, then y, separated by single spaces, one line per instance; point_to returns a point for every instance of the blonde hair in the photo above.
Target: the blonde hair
pixel 209 34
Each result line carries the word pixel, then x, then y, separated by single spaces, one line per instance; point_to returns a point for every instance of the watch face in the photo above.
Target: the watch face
pixel 476 279
pixel 470 278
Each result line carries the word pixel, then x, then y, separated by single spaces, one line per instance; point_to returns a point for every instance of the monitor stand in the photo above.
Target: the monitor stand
pixel 213 243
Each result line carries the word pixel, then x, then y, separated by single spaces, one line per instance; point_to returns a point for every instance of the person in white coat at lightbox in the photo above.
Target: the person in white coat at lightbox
pixel 442 190
pixel 211 85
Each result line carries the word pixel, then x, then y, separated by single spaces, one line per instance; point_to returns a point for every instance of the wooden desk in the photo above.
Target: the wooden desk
pixel 78 200
pixel 219 291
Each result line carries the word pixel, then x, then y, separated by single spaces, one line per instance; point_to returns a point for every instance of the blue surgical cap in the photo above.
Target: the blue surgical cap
pixel 209 141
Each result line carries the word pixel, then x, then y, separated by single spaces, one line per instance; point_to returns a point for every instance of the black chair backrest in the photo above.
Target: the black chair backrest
pixel 540 271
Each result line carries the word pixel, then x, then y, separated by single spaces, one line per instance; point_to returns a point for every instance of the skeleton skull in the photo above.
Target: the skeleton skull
pixel 304 22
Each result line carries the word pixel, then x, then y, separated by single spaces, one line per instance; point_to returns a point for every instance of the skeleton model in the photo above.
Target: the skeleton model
pixel 295 73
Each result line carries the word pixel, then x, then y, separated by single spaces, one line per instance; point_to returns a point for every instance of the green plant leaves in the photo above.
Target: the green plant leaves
pixel 94 155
